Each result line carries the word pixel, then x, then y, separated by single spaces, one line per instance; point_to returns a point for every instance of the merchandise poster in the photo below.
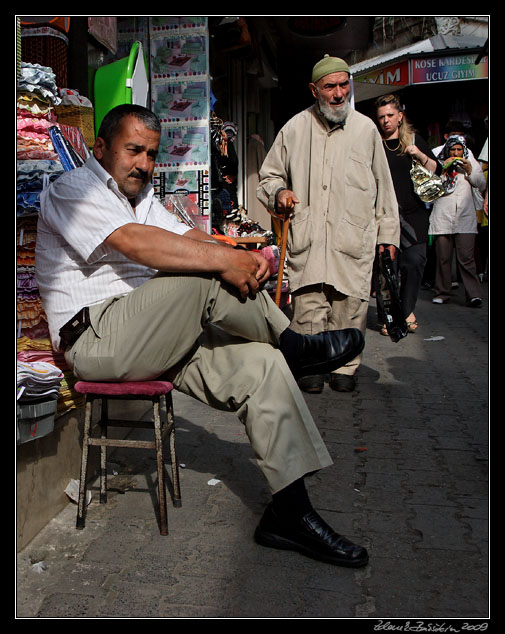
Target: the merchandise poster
pixel 167 23
pixel 180 97
pixel 181 101
pixel 174 56
pixel 193 184
pixel 129 30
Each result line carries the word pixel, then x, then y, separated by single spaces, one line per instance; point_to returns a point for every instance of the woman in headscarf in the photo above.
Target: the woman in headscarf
pixel 453 221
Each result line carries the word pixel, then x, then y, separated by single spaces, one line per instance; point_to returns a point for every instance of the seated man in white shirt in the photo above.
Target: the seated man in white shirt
pixel 132 294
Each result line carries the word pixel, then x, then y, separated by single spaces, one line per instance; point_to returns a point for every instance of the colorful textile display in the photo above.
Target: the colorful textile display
pixel 30 312
pixel 41 372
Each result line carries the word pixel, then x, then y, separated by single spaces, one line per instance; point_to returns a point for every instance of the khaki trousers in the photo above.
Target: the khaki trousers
pixel 216 348
pixel 319 307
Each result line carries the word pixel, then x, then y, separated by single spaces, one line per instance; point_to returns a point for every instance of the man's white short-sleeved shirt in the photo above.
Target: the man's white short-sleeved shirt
pixel 74 268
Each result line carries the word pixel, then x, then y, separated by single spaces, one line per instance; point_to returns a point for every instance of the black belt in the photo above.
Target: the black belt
pixel 73 329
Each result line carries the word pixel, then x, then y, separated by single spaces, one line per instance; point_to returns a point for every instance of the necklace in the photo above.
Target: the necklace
pixel 392 149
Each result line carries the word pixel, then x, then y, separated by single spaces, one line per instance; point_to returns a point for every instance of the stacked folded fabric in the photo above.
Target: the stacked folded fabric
pixel 38 380
pixel 33 105
pixel 39 80
pixel 31 317
pixel 37 94
pixel 33 140
pixel 40 350
pixel 31 177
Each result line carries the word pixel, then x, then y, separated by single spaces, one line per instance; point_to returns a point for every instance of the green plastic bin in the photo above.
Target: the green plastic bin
pixel 124 81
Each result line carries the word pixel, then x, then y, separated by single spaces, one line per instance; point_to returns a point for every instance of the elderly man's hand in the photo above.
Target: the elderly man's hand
pixel 286 201
pixel 390 247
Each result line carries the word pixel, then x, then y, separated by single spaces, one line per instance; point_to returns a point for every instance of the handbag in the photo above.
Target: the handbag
pixel 427 185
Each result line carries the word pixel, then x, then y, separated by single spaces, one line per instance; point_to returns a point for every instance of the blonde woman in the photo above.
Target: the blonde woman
pixel 402 144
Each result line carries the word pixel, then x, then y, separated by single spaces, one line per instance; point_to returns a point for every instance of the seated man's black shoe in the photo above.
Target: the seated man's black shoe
pixel 311 536
pixel 312 384
pixel 307 355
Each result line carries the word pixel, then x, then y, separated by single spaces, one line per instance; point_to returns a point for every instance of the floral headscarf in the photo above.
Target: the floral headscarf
pixel 451 172
pixel 455 139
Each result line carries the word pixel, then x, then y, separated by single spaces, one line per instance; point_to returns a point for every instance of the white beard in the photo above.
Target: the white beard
pixel 335 116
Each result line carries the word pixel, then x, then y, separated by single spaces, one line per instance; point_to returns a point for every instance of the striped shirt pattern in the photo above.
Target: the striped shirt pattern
pixel 74 268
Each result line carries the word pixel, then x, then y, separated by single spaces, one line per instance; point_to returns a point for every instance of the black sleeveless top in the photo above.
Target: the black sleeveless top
pixel 412 209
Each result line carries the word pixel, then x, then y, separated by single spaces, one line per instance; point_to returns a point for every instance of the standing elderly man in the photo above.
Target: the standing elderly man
pixel 131 294
pixel 327 169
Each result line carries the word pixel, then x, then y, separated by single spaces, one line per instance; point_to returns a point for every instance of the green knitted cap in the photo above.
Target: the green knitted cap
pixel 329 65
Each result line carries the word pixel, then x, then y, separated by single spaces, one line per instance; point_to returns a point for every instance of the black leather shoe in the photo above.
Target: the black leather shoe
pixel 307 355
pixel 310 536
pixel 311 384
pixel 342 382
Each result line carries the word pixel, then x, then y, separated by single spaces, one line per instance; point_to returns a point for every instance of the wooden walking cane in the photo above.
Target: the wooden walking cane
pixel 282 257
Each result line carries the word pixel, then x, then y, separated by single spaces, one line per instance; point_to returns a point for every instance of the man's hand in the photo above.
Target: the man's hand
pixel 246 270
pixel 286 201
pixel 390 247
pixel 194 252
pixel 263 272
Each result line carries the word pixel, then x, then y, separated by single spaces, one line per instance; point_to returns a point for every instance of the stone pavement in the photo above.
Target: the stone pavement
pixel 409 481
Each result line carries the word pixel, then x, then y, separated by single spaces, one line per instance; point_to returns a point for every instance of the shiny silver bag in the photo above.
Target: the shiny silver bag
pixel 427 185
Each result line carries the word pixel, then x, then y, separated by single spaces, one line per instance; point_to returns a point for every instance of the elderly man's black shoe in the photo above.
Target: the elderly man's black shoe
pixel 311 536
pixel 323 353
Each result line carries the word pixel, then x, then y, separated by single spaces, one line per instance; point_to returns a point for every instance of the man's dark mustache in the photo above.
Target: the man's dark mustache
pixel 139 174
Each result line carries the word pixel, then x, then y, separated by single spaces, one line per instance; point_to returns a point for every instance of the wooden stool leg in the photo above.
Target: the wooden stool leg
pixel 81 505
pixel 161 473
pixel 173 453
pixel 103 451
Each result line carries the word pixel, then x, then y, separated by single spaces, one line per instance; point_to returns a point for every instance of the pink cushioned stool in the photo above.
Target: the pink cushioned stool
pixel 155 391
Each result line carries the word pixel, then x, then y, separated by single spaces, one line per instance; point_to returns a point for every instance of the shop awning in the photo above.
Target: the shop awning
pixel 441 58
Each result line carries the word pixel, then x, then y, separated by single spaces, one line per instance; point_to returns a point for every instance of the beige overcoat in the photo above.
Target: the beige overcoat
pixel 347 200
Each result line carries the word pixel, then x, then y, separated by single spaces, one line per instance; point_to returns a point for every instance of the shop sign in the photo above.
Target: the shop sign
pixel 393 75
pixel 442 69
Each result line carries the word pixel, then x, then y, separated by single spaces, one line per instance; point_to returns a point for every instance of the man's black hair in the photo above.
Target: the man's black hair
pixel 110 123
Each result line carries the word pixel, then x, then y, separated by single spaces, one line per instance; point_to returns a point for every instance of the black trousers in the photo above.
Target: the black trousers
pixel 409 265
